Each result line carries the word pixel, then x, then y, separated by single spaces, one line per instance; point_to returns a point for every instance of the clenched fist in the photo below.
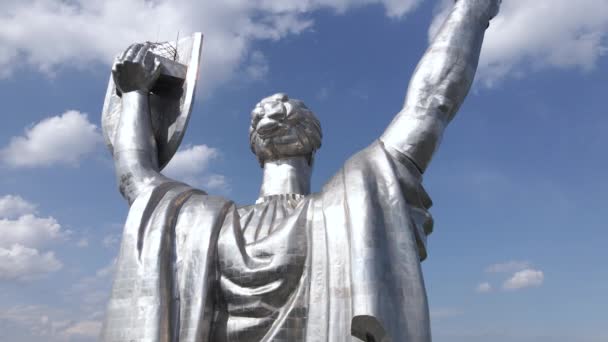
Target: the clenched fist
pixel 137 69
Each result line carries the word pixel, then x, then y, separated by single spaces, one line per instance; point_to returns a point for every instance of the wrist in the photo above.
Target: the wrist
pixel 136 93
pixel 473 10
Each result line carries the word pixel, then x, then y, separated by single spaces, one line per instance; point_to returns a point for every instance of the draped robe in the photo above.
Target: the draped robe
pixel 342 264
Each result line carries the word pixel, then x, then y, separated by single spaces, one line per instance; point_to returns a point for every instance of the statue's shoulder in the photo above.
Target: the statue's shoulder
pixel 357 165
pixel 180 197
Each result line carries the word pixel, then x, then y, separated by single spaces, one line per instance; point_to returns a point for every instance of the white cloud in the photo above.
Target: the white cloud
pixel 523 275
pixel 12 206
pixel 80 322
pixel 29 230
pixel 191 160
pixel 83 328
pixel 508 267
pixel 190 165
pixel 534 35
pixel 484 288
pixel 34 317
pixel 524 279
pixel 91 293
pixel 23 263
pixel 216 182
pixel 258 66
pixel 22 233
pixel 110 241
pixel 49 34
pixel 398 8
pixel 43 323
pixel 62 139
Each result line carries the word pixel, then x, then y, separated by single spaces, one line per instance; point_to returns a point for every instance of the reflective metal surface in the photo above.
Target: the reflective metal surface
pixel 171 96
pixel 342 264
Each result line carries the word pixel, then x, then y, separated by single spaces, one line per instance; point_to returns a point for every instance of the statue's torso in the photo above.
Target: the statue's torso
pixel 340 263
pixel 323 266
pixel 263 290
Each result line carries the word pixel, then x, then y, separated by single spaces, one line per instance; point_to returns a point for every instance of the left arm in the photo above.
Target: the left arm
pixel 441 81
pixel 135 152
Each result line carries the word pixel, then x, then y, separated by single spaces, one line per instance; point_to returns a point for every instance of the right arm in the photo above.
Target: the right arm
pixel 441 81
pixel 135 152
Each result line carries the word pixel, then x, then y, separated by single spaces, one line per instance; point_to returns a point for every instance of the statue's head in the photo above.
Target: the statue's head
pixel 281 128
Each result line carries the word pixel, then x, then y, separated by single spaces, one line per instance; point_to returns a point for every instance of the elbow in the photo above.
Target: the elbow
pixel 435 104
pixel 131 185
pixel 445 99
pixel 442 106
pixel 128 187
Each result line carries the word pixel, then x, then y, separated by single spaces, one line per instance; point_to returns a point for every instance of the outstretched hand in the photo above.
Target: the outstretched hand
pixel 137 69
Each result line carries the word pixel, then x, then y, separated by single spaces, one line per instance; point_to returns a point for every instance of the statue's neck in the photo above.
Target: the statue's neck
pixel 286 176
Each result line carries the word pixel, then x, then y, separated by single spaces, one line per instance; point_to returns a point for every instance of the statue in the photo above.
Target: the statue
pixel 342 264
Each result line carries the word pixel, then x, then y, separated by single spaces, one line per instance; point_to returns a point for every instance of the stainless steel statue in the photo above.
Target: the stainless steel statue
pixel 342 264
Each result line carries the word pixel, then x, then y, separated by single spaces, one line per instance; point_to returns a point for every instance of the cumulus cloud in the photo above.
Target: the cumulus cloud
pixel 23 263
pixel 22 234
pixel 50 34
pixel 19 224
pixel 523 275
pixel 62 139
pixel 83 329
pixel 524 279
pixel 29 230
pixel 191 160
pixel 12 206
pixel 35 318
pixel 508 267
pixel 37 322
pixel 535 35
pixel 190 165
pixel 484 288
pixel 81 322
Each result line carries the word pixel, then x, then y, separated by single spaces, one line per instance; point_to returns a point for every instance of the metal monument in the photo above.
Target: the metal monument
pixel 342 264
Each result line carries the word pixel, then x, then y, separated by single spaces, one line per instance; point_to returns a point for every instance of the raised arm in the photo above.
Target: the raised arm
pixel 441 81
pixel 135 153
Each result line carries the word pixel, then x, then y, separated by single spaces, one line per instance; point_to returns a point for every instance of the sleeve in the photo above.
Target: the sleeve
pixel 378 193
pixel 162 287
pixel 389 176
pixel 416 133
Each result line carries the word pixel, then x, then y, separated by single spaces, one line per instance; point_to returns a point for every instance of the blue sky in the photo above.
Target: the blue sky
pixel 519 184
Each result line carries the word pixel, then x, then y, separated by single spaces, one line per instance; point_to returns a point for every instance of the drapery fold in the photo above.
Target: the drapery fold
pixel 343 261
